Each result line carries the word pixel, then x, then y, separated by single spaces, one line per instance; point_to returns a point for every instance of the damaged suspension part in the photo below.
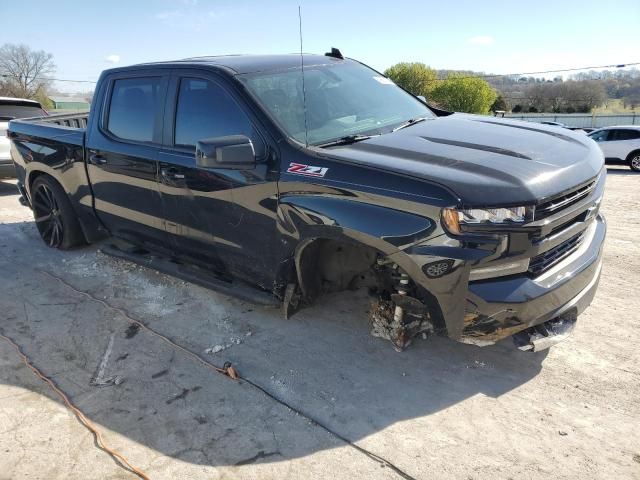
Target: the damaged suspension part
pixel 399 316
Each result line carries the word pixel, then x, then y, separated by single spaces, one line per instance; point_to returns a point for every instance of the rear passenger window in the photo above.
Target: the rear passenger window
pixel 132 112
pixel 627 135
pixel 206 110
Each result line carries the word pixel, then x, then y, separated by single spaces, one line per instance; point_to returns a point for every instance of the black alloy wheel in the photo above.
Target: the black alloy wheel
pixel 47 215
pixel 55 218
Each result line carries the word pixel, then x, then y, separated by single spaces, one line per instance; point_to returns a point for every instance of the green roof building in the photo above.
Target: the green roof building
pixel 69 103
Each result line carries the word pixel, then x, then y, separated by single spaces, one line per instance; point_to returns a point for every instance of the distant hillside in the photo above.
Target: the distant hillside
pixel 608 91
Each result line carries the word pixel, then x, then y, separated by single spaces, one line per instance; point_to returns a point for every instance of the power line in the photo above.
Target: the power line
pixel 53 79
pixel 546 98
pixel 522 74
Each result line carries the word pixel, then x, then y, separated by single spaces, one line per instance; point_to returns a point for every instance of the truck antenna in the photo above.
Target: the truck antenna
pixel 304 91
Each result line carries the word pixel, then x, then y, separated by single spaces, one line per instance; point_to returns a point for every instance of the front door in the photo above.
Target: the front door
pixel 204 220
pixel 602 139
pixel 122 157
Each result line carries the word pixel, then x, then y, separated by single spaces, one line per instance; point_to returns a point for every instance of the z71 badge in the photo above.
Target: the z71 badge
pixel 307 170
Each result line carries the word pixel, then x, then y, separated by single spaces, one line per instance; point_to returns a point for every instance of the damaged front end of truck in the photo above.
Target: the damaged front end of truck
pixel 476 284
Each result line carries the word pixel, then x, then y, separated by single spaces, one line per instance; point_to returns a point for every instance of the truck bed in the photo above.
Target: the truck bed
pixel 72 120
pixel 54 145
pixel 69 126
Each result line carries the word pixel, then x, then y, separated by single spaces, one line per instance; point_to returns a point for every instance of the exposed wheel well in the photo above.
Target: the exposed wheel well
pixel 329 265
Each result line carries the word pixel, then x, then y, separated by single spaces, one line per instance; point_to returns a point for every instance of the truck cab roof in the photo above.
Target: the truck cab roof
pixel 242 64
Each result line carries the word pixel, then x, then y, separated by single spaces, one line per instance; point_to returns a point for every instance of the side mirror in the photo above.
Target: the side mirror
pixel 422 98
pixel 233 151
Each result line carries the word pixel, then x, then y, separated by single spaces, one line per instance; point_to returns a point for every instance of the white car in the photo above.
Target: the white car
pixel 11 108
pixel 620 145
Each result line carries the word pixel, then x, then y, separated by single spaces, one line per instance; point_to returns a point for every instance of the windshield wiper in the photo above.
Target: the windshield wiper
pixel 410 122
pixel 346 140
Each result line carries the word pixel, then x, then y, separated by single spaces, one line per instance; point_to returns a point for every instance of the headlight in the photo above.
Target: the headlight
pixel 454 218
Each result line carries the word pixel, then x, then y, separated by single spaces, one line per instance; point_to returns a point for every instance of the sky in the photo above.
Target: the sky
pixel 484 35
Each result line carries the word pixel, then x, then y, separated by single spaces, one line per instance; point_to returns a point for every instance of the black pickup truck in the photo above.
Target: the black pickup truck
pixel 248 170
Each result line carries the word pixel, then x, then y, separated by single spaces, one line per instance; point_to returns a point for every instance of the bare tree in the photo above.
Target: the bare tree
pixel 24 72
pixel 569 96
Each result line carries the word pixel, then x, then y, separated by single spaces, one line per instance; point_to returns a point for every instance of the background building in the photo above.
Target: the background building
pixel 69 103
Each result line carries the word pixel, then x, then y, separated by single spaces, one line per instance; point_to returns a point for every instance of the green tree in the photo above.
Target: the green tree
pixel 417 78
pixel 461 93
pixel 499 104
pixel 42 97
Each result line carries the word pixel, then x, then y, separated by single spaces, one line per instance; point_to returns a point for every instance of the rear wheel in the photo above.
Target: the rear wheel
pixel 634 161
pixel 55 219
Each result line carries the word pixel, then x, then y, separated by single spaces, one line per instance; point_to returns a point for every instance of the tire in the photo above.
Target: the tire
pixel 634 161
pixel 54 216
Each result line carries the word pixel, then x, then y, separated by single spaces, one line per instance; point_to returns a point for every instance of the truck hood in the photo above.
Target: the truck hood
pixel 483 160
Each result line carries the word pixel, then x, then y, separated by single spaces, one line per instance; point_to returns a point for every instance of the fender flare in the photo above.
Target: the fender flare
pixel 305 216
pixel 302 219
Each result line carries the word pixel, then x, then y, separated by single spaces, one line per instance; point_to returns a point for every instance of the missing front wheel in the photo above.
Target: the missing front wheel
pixel 399 317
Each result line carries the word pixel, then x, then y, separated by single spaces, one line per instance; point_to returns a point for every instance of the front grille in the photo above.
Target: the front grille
pixel 559 228
pixel 543 262
pixel 561 202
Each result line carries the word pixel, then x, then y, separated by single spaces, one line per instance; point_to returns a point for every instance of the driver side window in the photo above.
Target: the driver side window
pixel 206 110
pixel 601 136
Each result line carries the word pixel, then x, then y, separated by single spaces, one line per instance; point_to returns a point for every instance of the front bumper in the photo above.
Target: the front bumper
pixel 501 307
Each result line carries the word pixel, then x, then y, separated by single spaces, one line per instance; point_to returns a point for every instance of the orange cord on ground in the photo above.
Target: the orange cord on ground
pixel 227 370
pixel 78 413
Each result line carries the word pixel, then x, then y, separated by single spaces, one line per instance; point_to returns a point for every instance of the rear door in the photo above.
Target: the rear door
pixel 122 156
pixel 205 217
pixel 624 141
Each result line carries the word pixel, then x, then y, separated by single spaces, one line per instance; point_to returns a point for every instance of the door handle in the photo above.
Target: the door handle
pixel 97 159
pixel 171 174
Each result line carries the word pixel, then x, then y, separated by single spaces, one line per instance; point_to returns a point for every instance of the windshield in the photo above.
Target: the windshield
pixel 341 100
